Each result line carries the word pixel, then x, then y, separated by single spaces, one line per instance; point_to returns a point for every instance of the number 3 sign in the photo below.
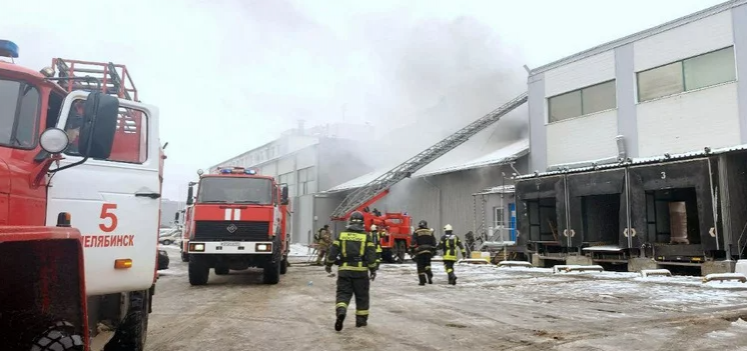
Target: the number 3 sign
pixel 107 212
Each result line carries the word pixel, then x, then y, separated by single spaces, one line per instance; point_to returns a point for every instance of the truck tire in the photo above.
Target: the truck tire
pixel 30 331
pixel 221 270
pixel 185 257
pixel 132 333
pixel 386 256
pixel 284 266
pixel 198 270
pixel 271 273
pixel 400 253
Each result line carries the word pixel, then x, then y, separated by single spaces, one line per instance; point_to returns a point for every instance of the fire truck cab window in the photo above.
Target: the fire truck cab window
pixel 19 111
pixel 236 190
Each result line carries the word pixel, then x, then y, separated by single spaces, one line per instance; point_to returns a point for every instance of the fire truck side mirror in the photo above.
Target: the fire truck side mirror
pixel 99 125
pixel 190 195
pixel 284 196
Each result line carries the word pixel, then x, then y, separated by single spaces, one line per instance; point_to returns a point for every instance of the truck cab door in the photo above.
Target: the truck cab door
pixel 114 202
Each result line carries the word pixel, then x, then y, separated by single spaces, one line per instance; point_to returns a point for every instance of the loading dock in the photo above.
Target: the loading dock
pixel 540 226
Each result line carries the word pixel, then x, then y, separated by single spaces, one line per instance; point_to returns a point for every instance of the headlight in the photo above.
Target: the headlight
pixel 263 247
pixel 196 247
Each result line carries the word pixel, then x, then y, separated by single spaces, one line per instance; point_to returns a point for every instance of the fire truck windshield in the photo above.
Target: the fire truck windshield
pixel 19 111
pixel 235 190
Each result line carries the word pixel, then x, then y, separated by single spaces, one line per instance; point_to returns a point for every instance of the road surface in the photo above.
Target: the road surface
pixel 490 309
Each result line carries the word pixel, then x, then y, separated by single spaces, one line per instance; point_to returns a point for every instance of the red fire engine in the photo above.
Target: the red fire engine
pixel 238 219
pixel 397 230
pixel 79 199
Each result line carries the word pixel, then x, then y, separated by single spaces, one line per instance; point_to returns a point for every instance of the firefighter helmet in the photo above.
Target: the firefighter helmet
pixel 356 218
pixel 374 227
pixel 447 227
pixel 423 224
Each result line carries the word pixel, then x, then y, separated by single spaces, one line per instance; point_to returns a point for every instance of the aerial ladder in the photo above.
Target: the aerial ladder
pixel 376 189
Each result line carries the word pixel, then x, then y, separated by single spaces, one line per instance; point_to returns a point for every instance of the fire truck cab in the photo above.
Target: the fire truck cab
pixel 80 166
pixel 238 219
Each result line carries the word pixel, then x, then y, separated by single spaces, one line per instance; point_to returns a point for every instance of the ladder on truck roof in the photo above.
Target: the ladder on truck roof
pixel 109 78
pixel 381 184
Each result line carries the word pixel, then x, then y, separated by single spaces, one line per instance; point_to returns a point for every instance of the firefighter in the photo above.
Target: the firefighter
pixel 72 127
pixel 423 246
pixel 323 240
pixel 357 257
pixel 376 238
pixel 449 244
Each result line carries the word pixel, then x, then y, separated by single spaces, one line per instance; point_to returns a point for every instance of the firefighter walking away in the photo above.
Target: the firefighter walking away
pixel 424 246
pixel 449 244
pixel 356 254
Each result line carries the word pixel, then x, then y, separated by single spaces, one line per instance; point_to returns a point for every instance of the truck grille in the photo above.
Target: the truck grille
pixel 222 231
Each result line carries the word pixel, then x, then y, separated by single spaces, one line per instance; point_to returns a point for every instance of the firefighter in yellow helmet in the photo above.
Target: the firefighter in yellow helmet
pixel 423 245
pixel 357 257
pixel 449 244
pixel 377 242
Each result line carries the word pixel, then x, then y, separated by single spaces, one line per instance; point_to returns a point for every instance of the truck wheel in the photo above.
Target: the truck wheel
pixel 185 257
pixel 132 333
pixel 198 271
pixel 272 272
pixel 400 256
pixel 387 256
pixel 221 270
pixel 29 331
pixel 284 266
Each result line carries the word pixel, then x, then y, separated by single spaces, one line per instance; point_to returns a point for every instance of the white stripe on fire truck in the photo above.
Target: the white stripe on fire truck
pixel 227 215
pixel 237 214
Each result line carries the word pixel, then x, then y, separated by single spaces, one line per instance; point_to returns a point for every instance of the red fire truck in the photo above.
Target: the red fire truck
pixel 397 228
pixel 239 219
pixel 80 164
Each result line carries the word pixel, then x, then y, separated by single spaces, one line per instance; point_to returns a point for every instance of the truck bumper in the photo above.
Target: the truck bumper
pixel 231 247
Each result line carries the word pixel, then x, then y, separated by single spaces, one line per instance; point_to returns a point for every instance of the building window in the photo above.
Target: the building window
pixel 584 101
pixel 306 181
pixel 693 73
pixel 499 220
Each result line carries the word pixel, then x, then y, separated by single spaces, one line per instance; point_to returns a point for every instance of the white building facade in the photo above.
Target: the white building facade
pixel 671 89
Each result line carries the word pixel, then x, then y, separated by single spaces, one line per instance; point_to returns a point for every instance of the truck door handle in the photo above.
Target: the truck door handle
pixel 150 195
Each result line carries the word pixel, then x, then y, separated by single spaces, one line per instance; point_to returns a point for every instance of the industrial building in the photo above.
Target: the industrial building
pixel 441 193
pixel 302 158
pixel 636 149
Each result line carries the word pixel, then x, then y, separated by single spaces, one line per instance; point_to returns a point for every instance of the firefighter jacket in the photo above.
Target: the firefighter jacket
pixel 449 244
pixel 355 251
pixel 325 240
pixel 423 241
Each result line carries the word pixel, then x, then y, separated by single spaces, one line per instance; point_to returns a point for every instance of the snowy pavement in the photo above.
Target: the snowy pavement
pixel 490 309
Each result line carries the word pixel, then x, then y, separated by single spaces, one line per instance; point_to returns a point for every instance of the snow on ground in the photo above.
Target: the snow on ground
pixel 300 250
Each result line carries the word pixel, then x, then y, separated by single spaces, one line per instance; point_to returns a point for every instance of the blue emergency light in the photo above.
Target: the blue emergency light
pixel 225 171
pixel 250 171
pixel 8 49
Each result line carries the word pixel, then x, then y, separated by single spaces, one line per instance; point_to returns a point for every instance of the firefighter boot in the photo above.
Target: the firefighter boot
pixel 452 278
pixel 361 321
pixel 430 277
pixel 340 318
pixel 422 279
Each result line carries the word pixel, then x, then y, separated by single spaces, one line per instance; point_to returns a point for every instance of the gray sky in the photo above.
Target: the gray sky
pixel 230 75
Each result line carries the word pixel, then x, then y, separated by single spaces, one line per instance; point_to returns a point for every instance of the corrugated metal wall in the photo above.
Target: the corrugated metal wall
pixel 447 198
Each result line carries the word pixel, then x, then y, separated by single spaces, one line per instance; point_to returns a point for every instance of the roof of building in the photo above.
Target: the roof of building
pixel 503 155
pixel 640 161
pixel 640 35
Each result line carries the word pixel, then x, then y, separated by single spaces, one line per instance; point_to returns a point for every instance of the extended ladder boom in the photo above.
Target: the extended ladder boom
pixel 361 195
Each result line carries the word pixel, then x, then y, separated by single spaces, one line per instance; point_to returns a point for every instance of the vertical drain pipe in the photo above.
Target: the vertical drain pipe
pixel 628 222
pixel 714 205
